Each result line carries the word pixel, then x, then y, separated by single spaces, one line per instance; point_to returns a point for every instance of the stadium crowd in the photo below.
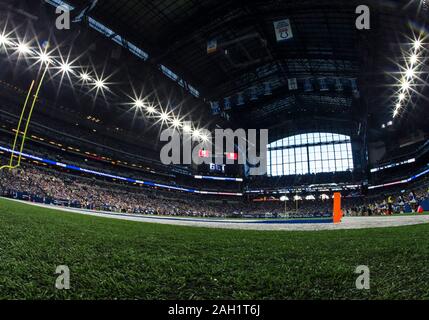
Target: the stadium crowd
pixel 44 185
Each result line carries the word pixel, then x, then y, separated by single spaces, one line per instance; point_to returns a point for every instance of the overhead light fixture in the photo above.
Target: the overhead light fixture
pixel 405 85
pixel 176 123
pixel 401 96
pixel 396 111
pixel 417 44
pixel 100 84
pixel 204 137
pixel 44 58
pixel 65 68
pixel 409 73
pixel 196 133
pixel 150 109
pixel 413 59
pixel 4 40
pixel 23 48
pixel 164 116
pixel 398 106
pixel 85 76
pixel 139 104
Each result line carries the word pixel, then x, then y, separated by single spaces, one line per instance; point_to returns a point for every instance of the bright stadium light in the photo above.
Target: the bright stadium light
pixel 23 48
pixel 413 59
pixel 100 84
pixel 204 137
pixel 84 76
pixel 4 40
pixel 150 109
pixel 196 133
pixel 405 85
pixel 417 44
pixel 44 58
pixel 138 104
pixel 176 123
pixel 409 73
pixel 401 96
pixel 164 116
pixel 66 68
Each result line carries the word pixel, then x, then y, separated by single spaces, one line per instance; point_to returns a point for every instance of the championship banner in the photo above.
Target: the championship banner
pixel 240 99
pixel 338 85
pixel 308 87
pixel 355 89
pixel 283 30
pixel 227 103
pixel 215 107
pixel 292 84
pixel 253 93
pixel 267 89
pixel 323 84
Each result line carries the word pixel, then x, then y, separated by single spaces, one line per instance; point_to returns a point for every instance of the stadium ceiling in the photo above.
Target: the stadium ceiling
pixel 325 43
pixel 173 37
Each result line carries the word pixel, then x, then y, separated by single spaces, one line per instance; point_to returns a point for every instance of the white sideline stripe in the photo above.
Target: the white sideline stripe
pixel 347 223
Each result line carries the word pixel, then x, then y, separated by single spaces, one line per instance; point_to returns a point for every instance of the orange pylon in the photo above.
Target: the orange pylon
pixel 338 213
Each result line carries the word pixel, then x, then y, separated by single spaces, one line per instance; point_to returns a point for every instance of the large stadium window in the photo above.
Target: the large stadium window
pixel 313 152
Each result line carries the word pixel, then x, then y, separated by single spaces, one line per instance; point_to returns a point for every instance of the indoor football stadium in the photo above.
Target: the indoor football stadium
pixel 214 150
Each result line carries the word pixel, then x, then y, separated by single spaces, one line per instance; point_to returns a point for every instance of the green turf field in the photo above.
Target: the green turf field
pixel 122 259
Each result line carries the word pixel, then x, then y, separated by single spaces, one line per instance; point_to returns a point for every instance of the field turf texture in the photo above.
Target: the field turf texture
pixel 114 259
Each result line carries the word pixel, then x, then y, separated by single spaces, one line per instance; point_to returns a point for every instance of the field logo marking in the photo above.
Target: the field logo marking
pixel 63 280
pixel 362 281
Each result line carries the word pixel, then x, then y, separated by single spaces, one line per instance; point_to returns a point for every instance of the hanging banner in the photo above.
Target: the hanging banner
pixel 253 93
pixel 323 84
pixel 267 89
pixel 240 99
pixel 308 86
pixel 355 89
pixel 283 30
pixel 215 107
pixel 227 103
pixel 338 85
pixel 292 84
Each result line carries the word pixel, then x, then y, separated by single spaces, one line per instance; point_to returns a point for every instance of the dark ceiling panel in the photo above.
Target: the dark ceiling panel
pixel 326 44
